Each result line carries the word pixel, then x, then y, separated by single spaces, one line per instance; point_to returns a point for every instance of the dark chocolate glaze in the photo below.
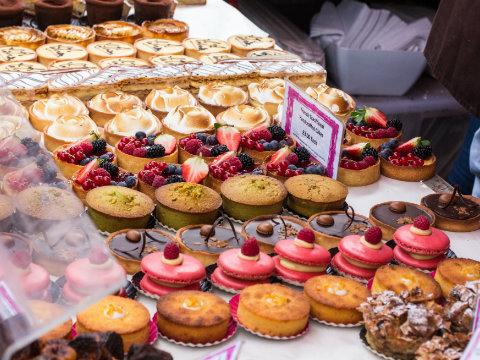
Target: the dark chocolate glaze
pixel 340 227
pixel 278 230
pixel 133 250
pixel 385 215
pixel 223 239
pixel 457 209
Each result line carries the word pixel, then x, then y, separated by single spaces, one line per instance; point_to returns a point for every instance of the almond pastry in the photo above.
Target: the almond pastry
pixel 153 47
pixel 68 129
pixel 109 49
pixel 21 36
pixel 72 64
pixel 22 66
pixel 162 101
pixel 103 107
pixel 243 44
pixel 168 29
pixel 118 30
pixel 198 47
pixel 70 34
pixel 16 53
pixel 49 53
pixel 185 120
pixel 218 58
pixel 122 62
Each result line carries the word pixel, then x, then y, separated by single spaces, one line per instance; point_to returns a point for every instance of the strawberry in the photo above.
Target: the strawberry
pixel 229 136
pixel 421 222
pixel 83 174
pixel 407 147
pixel 167 141
pixel 256 129
pixel 171 251
pixel 250 247
pixel 280 155
pixel 373 235
pixel 371 116
pixel 194 169
pixel 222 158
pixel 306 235
pixel 21 259
pixel 356 150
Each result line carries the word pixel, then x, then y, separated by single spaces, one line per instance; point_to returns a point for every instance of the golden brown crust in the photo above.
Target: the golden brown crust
pixel 70 34
pixel 316 188
pixel 21 36
pixel 169 29
pixel 361 177
pixel 408 173
pixel 375 143
pixel 45 311
pixel 118 30
pixel 459 271
pixel 253 190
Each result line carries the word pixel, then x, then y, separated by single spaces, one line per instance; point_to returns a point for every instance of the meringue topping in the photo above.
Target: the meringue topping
pixel 166 99
pixel 371 246
pixel 114 102
pixel 127 123
pixel 189 119
pixel 221 94
pixel 244 117
pixel 339 102
pixel 173 262
pixel 267 91
pixel 57 105
pixel 9 125
pixel 72 128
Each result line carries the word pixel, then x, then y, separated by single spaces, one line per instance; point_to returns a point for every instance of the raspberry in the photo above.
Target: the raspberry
pixel 87 147
pixel 146 176
pixel 129 148
pixel 292 158
pixel 192 146
pixel 171 251
pixel 21 259
pixel 204 151
pixel 140 152
pixel 421 222
pixel 158 181
pixel 250 247
pixel 373 235
pixel 263 134
pixel 306 235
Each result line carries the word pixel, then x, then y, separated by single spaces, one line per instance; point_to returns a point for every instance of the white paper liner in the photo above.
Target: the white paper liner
pixel 288 281
pixel 234 220
pixel 274 337
pixel 335 324
pixel 159 225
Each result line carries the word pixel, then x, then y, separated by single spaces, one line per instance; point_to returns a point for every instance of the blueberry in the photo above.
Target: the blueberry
pixel 104 157
pixel 85 161
pixel 151 139
pixel 274 145
pixel 169 170
pixel 211 140
pixel 140 135
pixel 292 167
pixel 267 146
pixel 122 183
pixel 202 137
pixel 392 143
pixel 262 141
pixel 130 181
pixel 385 153
pixel 42 159
pixel 113 183
pixel 310 169
pixel 178 170
pixel 319 169
pixel 283 143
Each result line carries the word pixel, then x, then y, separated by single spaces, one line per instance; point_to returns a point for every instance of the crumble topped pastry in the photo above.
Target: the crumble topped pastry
pixel 460 306
pixel 446 347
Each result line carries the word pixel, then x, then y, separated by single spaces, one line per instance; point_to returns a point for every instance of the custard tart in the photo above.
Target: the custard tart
pixel 22 66
pixel 118 31
pixel 70 34
pixel 168 29
pixel 16 53
pixel 243 44
pixel 21 36
pixel 154 47
pixel 109 49
pixel 49 53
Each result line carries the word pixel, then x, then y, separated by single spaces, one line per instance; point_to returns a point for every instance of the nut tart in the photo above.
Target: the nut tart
pixel 267 94
pixel 70 34
pixel 72 64
pixel 22 66
pixel 218 58
pixel 243 44
pixel 118 31
pixel 244 117
pixel 105 49
pixel 148 48
pixel 67 129
pixel 123 62
pixel 168 29
pixel 129 122
pixel 453 272
pixel 359 165
pixel 43 112
pixel 162 101
pixel 371 125
pixel 186 119
pixel 217 97
pixel 272 54
pixel 156 174
pixel 21 36
pixel 103 107
pixel 338 102
pixel 198 47
pixel 167 60
pixel 49 53
pixel 16 53
pixel 412 160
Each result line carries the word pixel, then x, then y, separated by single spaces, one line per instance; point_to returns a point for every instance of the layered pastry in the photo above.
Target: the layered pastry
pixel 359 165
pixel 21 36
pixel 193 317
pixel 198 47
pixel 99 11
pixel 182 204
pixel 452 272
pixel 272 54
pixel 248 196
pixel 16 53
pixel 169 29
pixel 130 246
pixel 170 271
pixel 129 122
pixel 123 62
pixel 238 269
pixel 267 94
pixel 7 210
pixel 53 12
pixel 128 318
pixel 244 117
pixel 152 10
pixel 335 299
pixel 148 48
pixel 454 211
pixel 156 174
pixel 113 208
pixel 401 278
pixel 273 310
pixel 446 347
pixel 118 31
pixel 167 60
pixel 243 44
pixel 45 312
pixel 70 34
pixel 412 160
pixel 33 278
pixel 420 245
pixel 22 66
pixel 218 58
pixel 391 215
pixel 338 102
pixel 186 119
pixel 371 125
pixel 43 112
pixel 11 13
pixel 217 97
pixel 300 259
pixel 162 101
pixel 51 52
pixel 103 107
pixel 461 306
pixel 72 64
pixel 309 194
pixel 105 49
pixel 393 330
pixel 360 256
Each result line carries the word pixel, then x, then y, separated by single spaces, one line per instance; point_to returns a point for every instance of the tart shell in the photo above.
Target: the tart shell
pixel 361 177
pixel 408 173
pixel 136 164
pixel 89 39
pixel 179 34
pixel 375 143
pixel 39 38
pixel 184 155
pixel 126 38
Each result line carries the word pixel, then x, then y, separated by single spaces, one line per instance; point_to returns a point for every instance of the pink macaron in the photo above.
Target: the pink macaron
pixel 343 267
pixel 152 287
pixel 403 257
pixel 229 282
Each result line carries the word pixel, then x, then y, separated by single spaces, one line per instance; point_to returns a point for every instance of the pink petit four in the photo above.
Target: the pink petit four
pixel 35 279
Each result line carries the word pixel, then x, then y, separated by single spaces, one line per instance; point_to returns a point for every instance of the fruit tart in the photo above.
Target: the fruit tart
pixel 371 125
pixel 16 153
pixel 410 161
pixel 359 165
pixel 134 152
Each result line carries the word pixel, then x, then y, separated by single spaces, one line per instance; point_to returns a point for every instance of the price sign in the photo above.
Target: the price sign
pixel 229 352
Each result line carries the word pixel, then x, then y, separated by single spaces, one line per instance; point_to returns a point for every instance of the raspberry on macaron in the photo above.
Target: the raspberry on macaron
pixel 373 235
pixel 250 247
pixel 421 222
pixel 171 251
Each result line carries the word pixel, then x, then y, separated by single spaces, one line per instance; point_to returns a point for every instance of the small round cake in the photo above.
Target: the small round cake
pixel 451 272
pixel 335 299
pixel 273 310
pixel 45 312
pixel 193 317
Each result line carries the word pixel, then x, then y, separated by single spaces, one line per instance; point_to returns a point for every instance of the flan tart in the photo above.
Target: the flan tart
pixel 243 44
pixel 452 272
pixel 51 52
pixel 198 47
pixel 162 101
pixel 7 210
pixel 72 64
pixel 155 47
pixel 118 31
pixel 217 97
pixel 272 54
pixel 17 53
pixel 359 165
pixel 123 62
pixel 99 50
pixel 244 117
pixel 216 58
pixel 167 60
pixel 338 102
pixel 267 94
pixel 103 107
pixel 156 174
pixel 70 34
pixel 335 299
pixel 22 66
pixel 21 36
pixel 169 29
pixel 186 119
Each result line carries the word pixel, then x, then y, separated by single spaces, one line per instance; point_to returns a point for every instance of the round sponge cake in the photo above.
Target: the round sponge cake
pixel 451 272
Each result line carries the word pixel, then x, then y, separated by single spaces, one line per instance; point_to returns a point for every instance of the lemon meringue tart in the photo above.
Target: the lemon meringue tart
pixel 109 49
pixel 70 34
pixel 198 47
pixel 186 119
pixel 72 65
pixel 16 53
pixel 22 66
pixel 21 36
pixel 243 44
pixel 68 129
pixel 118 30
pixel 154 47
pixel 168 29
pixel 337 101
pixel 49 53
pixel 123 62
pixel 244 117
pixel 172 60
pixel 162 101
pixel 43 112
pixel 129 122
pixel 218 58
pixel 218 96
pixel 103 107
pixel 268 94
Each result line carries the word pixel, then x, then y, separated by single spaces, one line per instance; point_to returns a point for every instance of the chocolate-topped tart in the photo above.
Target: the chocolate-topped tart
pixel 454 211
pixel 389 216
pixel 269 229
pixel 207 242
pixel 129 246
pixel 331 226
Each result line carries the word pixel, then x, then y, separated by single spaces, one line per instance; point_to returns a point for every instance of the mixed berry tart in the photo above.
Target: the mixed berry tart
pixel 359 165
pixel 262 141
pixel 371 125
pixel 410 161
pixel 100 172
pixel 134 152
pixel 71 158
pixel 16 153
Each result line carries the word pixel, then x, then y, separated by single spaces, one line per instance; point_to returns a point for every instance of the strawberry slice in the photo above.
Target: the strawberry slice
pixel 83 174
pixel 194 170
pixel 280 155
pixel 356 150
pixel 411 144
pixel 13 145
pixel 222 158
pixel 258 128
pixel 371 116
pixel 167 141
pixel 229 136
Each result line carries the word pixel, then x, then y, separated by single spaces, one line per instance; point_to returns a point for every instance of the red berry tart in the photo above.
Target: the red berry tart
pixel 15 153
pixel 411 161
pixel 359 165
pixel 371 125
pixel 134 152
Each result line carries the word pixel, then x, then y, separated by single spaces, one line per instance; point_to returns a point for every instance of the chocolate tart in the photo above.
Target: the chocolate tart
pixel 136 164
pixel 70 34
pixel 409 173
pixel 130 246
pixel 99 11
pixel 331 226
pixel 391 215
pixel 269 229
pixel 118 30
pixel 11 12
pixel 21 36
pixel 168 29
pixel 6 213
pixel 51 12
pixel 153 9
pixel 361 177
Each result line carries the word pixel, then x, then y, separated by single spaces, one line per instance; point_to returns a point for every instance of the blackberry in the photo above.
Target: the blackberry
pixel 49 173
pixel 42 159
pixel 169 170
pixel 140 135
pixel 423 152
pixel 110 167
pixel 32 146
pixel 302 153
pixel 246 160
pixel 219 150
pixel 397 124
pixel 151 139
pixel 370 152
pixel 99 145
pixel 155 151
pixel 277 132
pixel 211 140
pixel 174 179
pixel 202 137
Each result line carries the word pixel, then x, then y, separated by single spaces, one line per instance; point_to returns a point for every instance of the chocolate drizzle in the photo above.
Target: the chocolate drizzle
pixel 383 213
pixel 453 206
pixel 282 229
pixel 344 224
pixel 149 243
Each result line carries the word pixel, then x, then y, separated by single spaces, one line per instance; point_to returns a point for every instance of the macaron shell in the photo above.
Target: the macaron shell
pixel 435 243
pixel 292 274
pixel 307 256
pixel 340 263
pixel 403 257
pixel 222 279
pixel 35 281
pixel 352 247
pixel 233 265
pixel 153 288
